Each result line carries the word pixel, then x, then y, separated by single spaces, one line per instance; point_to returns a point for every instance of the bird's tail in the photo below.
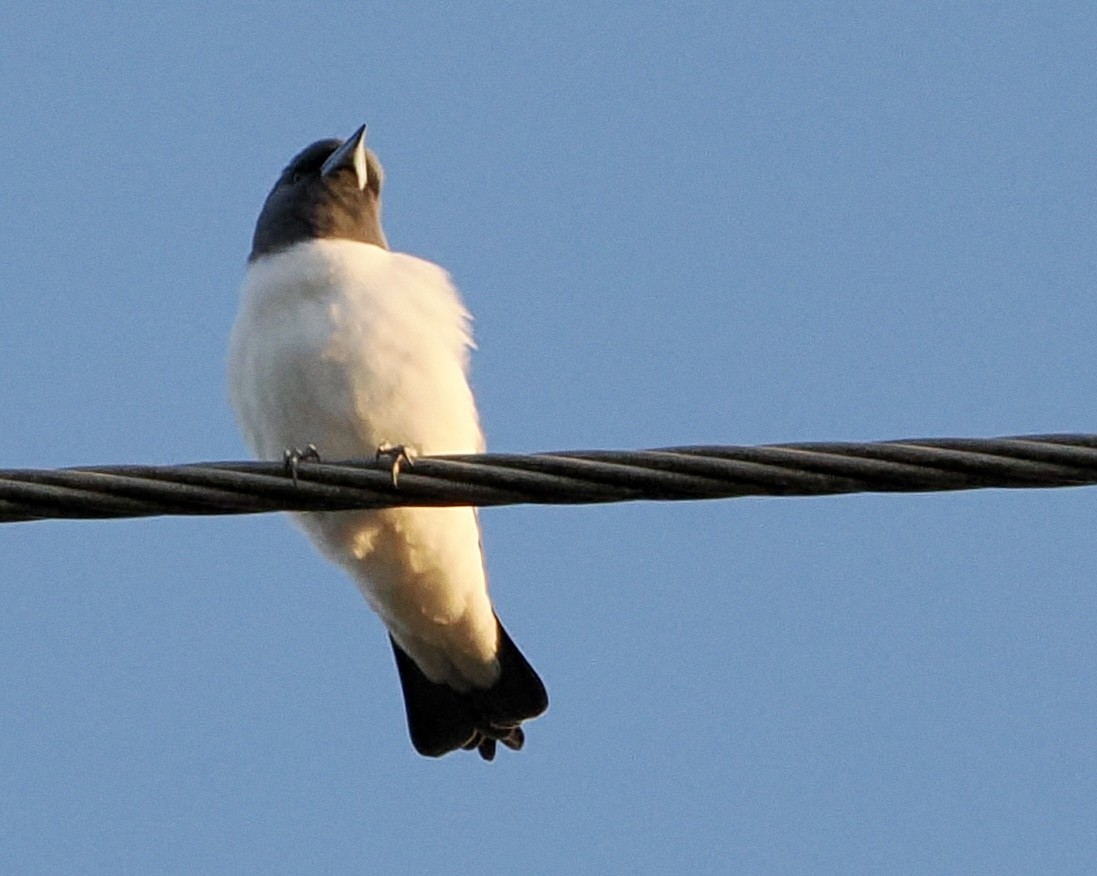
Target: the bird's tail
pixel 441 719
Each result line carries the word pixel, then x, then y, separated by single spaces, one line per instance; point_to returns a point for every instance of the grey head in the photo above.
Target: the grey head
pixel 331 189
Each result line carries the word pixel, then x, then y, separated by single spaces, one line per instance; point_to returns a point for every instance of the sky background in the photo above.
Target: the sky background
pixel 675 223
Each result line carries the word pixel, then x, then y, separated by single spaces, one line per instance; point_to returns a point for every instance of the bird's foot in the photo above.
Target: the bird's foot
pixel 292 457
pixel 399 454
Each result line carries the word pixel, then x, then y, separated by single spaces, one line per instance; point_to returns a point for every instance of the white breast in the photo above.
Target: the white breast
pixel 348 346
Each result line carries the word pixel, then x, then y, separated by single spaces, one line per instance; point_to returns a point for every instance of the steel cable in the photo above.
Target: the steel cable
pixel 569 477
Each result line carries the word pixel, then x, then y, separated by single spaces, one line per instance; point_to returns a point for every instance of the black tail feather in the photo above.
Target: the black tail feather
pixel 441 719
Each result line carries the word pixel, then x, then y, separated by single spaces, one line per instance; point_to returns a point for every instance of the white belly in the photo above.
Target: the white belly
pixel 349 347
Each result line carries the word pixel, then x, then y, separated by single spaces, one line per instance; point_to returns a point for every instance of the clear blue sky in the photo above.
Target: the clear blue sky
pixel 675 223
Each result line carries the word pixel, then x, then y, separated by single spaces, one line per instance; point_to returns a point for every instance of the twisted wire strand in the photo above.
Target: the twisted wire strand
pixel 568 477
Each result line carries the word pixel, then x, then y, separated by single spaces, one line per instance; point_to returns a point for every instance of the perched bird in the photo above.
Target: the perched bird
pixel 349 347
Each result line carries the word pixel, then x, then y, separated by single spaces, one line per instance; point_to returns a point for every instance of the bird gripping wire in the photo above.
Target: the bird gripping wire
pixel 568 477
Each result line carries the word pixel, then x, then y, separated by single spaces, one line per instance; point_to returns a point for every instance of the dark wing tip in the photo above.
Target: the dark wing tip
pixel 441 719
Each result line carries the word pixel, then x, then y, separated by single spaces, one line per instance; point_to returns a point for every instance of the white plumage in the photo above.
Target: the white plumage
pixel 351 347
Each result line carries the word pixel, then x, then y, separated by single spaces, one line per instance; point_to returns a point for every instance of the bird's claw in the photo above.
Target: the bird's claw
pixel 399 454
pixel 292 457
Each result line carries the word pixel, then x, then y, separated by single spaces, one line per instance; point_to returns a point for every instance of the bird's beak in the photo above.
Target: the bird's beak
pixel 351 154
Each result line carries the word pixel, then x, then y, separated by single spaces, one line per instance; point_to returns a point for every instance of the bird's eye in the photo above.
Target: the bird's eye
pixel 295 177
